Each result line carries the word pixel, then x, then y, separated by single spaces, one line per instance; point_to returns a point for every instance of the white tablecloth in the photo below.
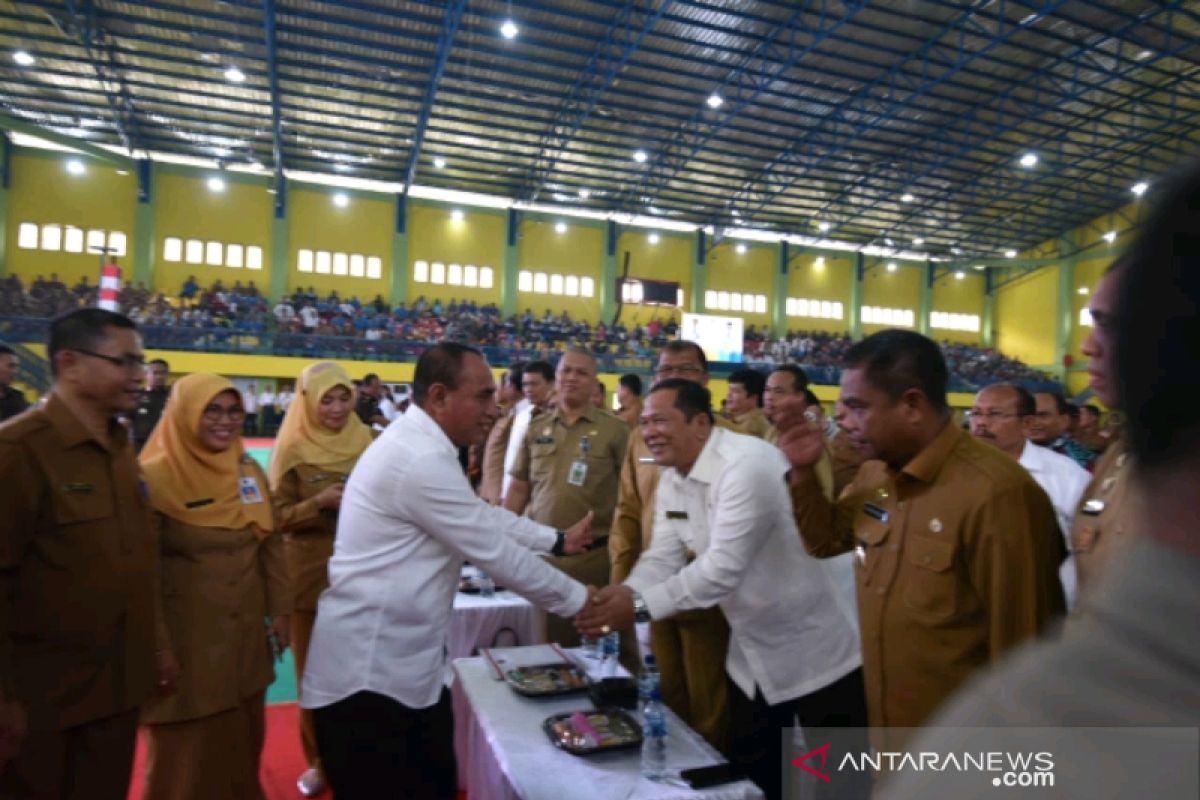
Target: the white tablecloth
pixel 509 756
pixel 476 621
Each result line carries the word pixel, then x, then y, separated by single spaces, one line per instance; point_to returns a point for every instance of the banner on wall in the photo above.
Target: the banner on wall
pixel 719 337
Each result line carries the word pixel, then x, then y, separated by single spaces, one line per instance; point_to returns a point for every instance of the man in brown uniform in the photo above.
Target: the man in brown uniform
pixel 78 562
pixel 492 470
pixel 567 466
pixel 744 403
pixel 690 647
pixel 957 547
pixel 1104 521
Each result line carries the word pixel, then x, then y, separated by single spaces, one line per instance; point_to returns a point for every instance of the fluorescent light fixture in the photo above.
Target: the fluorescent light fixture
pixel 906 198
pixel 640 156
pixel 715 100
pixel 653 238
pixel 1083 290
pixel 891 267
pixel 741 248
pixel 584 194
pixel 76 167
pixel 509 29
pixel 917 242
pixel 980 267
pixel 959 275
pixel 1110 237
pixel 234 75
pixel 341 199
pixel 889 242
pixel 1010 253
pixel 1029 160
pixel 560 227
pixel 1140 188
pixel 216 184
pixel 439 162
pixel 823 226
pixel 23 58
pixel 457 215
pixel 820 262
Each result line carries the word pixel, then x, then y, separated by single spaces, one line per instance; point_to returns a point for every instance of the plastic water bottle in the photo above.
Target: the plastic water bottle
pixel 487 586
pixel 648 681
pixel 610 645
pixel 654 737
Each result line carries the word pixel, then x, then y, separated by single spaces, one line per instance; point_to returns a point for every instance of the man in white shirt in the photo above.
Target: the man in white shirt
pixel 377 672
pixel 537 382
pixel 1001 417
pixel 793 647
pixel 250 404
pixel 267 401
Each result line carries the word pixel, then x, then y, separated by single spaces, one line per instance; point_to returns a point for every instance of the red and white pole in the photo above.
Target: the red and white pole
pixel 110 288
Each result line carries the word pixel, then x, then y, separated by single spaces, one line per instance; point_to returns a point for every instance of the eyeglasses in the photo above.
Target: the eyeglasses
pixel 990 416
pixel 131 363
pixel 214 413
pixel 684 369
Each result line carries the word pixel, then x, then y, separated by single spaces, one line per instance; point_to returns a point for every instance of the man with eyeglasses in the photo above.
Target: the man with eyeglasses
pixel 150 405
pixel 78 560
pixel 1001 417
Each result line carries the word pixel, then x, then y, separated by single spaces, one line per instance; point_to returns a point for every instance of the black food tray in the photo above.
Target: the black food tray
pixel 547 680
pixel 619 730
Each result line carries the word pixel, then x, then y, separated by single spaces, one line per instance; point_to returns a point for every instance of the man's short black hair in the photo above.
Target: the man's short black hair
pixel 5 350
pixel 1026 404
pixel 82 329
pixel 751 380
pixel 685 346
pixel 632 382
pixel 159 361
pixel 1072 410
pixel 1060 402
pixel 442 363
pixel 895 361
pixel 369 378
pixel 1157 326
pixel 799 376
pixel 811 398
pixel 542 368
pixel 513 375
pixel 690 397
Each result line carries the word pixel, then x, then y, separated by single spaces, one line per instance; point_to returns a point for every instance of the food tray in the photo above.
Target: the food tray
pixel 610 729
pixel 546 680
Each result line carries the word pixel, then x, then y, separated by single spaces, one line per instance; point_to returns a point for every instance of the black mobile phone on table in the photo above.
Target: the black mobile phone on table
pixel 715 775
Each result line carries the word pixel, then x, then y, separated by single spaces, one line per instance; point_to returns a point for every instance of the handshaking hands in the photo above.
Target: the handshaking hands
pixel 606 610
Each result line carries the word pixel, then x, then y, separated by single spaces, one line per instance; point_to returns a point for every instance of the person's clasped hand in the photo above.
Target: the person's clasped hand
pixel 611 609
pixel 579 536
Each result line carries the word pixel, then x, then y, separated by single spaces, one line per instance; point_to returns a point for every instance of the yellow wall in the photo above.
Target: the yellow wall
pixel 1025 312
pixel 669 260
pixel 900 289
pixel 832 282
pixel 751 272
pixel 43 192
pixel 954 296
pixel 363 227
pixel 478 239
pixel 186 209
pixel 579 250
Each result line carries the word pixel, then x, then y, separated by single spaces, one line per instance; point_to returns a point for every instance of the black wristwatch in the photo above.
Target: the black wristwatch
pixel 560 542
pixel 640 612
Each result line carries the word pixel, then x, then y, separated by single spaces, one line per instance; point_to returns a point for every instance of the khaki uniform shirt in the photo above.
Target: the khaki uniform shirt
pixel 218 586
pixel 958 562
pixel 1104 519
pixel 491 479
pixel 308 530
pixel 631 415
pixel 846 459
pixel 78 560
pixel 548 458
pixel 752 423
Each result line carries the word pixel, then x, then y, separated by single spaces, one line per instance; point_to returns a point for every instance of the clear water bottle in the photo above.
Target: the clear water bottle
pixel 648 681
pixel 487 586
pixel 654 737
pixel 610 646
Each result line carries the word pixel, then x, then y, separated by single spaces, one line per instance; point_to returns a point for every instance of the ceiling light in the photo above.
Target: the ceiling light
pixel 906 198
pixel 234 75
pixel 75 167
pixel 1029 160
pixel 822 226
pixel 509 29
pixel 1010 253
pixel 741 249
pixel 715 100
pixel 639 156
pixel 560 227
pixel 1139 188
pixel 1110 237
pixel 439 162
pixel 956 251
pixel 917 242
pixel 980 267
pixel 584 194
pixel 891 267
pixel 341 199
pixel 960 275
pixel 889 242
pixel 1142 56
pixel 456 215
pixel 653 238
pixel 122 172
pixel 216 184
pixel 23 58
pixel 820 262
pixel 1083 290
pixel 736 214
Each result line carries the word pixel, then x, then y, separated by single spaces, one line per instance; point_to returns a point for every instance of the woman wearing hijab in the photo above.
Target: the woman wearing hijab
pixel 319 442
pixel 223 574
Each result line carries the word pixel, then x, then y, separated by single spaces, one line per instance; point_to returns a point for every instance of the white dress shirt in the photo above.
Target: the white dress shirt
pixel 408 518
pixel 1065 482
pixel 790 635
pixel 516 436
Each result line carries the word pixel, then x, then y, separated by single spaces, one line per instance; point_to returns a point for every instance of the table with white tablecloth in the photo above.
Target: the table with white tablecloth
pixel 509 756
pixel 503 620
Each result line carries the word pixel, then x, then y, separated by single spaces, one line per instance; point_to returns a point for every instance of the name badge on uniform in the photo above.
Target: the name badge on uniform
pixel 78 488
pixel 677 515
pixel 578 473
pixel 249 490
pixel 544 440
pixel 208 501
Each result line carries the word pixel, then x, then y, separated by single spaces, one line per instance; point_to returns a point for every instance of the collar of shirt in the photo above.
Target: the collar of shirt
pixel 425 424
pixel 926 464
pixel 708 464
pixel 588 413
pixel 72 430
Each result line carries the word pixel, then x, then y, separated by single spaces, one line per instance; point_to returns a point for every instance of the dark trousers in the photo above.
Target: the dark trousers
pixel 757 738
pixel 92 761
pixel 372 747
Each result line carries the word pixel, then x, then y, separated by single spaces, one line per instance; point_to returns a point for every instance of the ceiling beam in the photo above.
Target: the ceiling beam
pixel 445 42
pixel 276 109
pixel 15 125
pixel 95 40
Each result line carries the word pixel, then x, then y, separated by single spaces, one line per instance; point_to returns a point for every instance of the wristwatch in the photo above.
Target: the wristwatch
pixel 559 543
pixel 640 612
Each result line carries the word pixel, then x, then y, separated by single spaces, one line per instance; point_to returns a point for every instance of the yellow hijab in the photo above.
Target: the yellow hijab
pixel 304 440
pixel 189 482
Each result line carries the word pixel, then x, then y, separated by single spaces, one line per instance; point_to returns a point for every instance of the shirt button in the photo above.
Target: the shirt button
pixel 880 590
